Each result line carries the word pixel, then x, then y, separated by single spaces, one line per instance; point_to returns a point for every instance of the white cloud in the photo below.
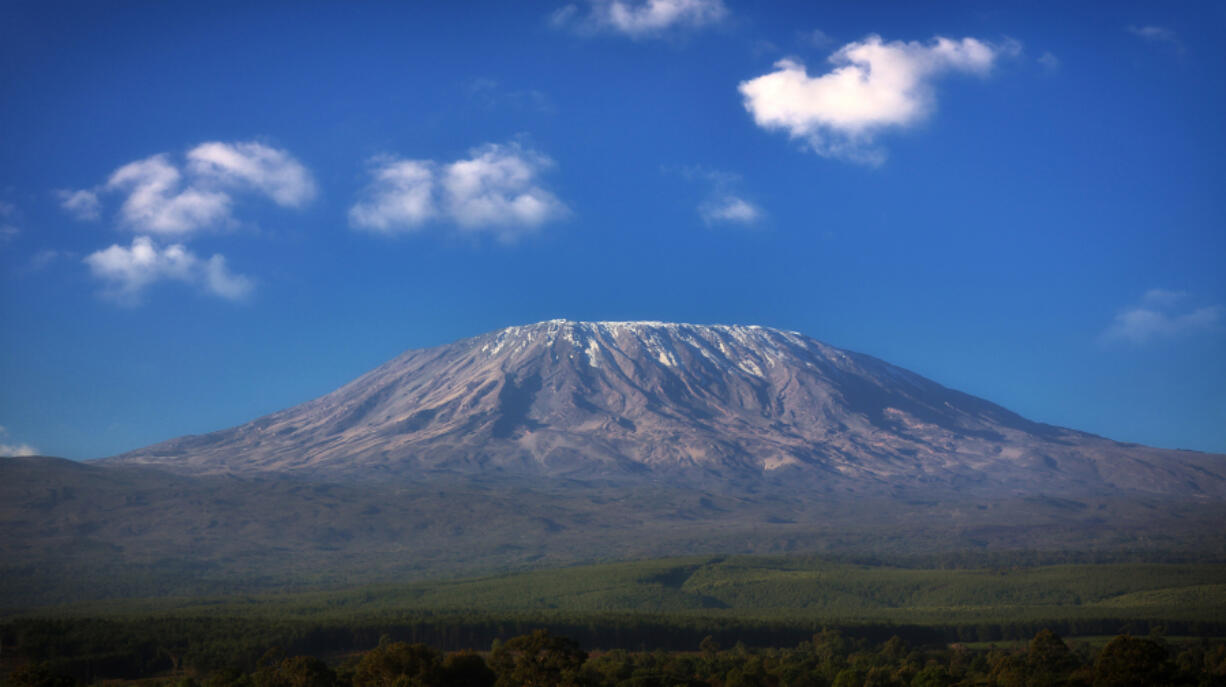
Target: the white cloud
pixel 723 204
pixel 1159 316
pixel 268 170
pixel 497 189
pixel 158 204
pixel 873 86
pixel 17 450
pixel 7 449
pixel 400 197
pixel 82 204
pixel 729 209
pixel 1049 61
pixel 164 199
pixel 1157 34
pixel 644 19
pixel 128 272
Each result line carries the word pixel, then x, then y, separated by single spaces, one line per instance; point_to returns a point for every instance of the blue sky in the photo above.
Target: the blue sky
pixel 211 211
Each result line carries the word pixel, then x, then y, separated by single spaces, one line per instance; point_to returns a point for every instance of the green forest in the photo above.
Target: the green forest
pixel 724 620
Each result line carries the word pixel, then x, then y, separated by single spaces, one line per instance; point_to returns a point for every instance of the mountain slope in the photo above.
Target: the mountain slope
pixel 632 401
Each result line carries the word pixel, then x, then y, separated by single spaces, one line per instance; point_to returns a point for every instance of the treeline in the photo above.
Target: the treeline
pixel 89 650
pixel 828 659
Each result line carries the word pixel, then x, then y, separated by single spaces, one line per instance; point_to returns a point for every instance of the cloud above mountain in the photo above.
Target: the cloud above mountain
pixel 647 19
pixel 166 198
pixel 1162 314
pixel 724 202
pixel 496 190
pixel 14 449
pixel 128 272
pixel 873 86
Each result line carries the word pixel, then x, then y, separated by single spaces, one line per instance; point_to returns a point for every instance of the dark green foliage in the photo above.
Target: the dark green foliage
pixel 1130 662
pixel 467 669
pixel 538 660
pixel 830 659
pixel 399 664
pixel 299 671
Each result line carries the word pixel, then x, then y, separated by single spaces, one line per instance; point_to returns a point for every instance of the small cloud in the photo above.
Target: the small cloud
pixel 16 449
pixel 818 38
pixel 157 202
pixel 82 204
pixel 1157 35
pixel 563 16
pixel 723 203
pixel 43 258
pixel 242 165
pixel 8 230
pixel 162 198
pixel 1160 315
pixel 873 86
pixel 491 95
pixel 497 190
pixel 729 208
pixel 1049 61
pixel 128 272
pixel 399 198
pixel 645 19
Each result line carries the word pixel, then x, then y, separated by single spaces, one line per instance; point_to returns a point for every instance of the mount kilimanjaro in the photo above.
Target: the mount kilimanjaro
pixel 691 404
pixel 563 442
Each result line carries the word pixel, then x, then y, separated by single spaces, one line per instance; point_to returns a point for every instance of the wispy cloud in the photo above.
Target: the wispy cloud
pixel 15 449
pixel 645 19
pixel 1049 61
pixel 82 204
pixel 43 258
pixel 249 165
pixel 817 38
pixel 873 86
pixel 8 227
pixel 496 190
pixel 1162 314
pixel 163 198
pixel 724 203
pixel 1160 35
pixel 490 94
pixel 127 272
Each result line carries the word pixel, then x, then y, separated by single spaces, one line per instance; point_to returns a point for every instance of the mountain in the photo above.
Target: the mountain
pixel 737 407
pixel 567 442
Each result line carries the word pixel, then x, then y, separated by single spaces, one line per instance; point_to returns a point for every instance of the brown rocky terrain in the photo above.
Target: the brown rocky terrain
pixel 737 406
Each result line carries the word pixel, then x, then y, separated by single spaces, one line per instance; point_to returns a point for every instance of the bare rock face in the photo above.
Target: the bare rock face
pixel 649 401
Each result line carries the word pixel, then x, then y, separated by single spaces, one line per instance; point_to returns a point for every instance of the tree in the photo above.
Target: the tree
pixel 1048 660
pixel 399 664
pixel 467 669
pixel 538 660
pixel 1130 662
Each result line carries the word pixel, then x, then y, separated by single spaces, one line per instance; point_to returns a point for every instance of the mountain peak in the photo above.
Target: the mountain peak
pixel 729 404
